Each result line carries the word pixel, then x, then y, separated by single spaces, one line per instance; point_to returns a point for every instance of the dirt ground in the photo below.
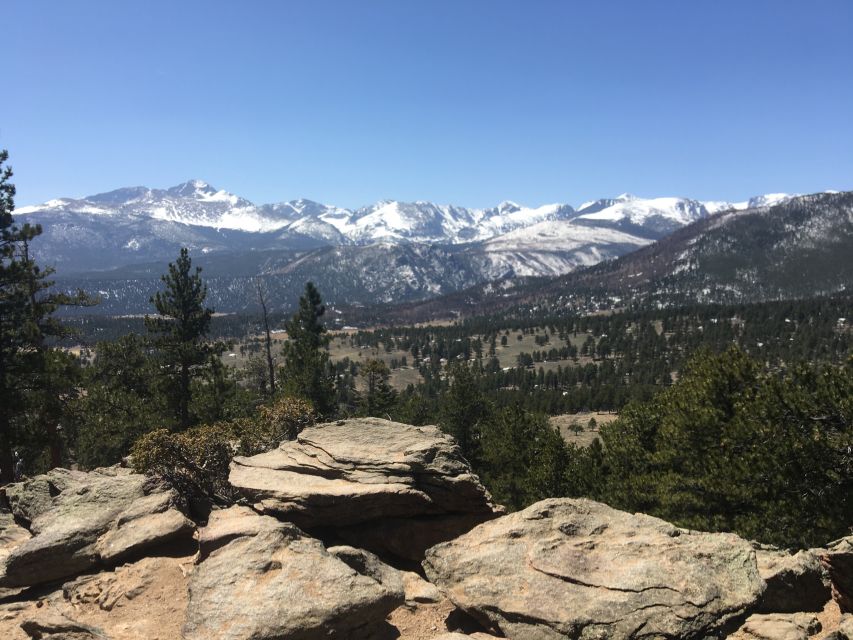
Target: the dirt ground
pixel 570 425
pixel 146 599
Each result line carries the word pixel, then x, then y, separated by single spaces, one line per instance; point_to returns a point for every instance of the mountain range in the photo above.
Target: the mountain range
pixel 117 243
pixel 800 247
pixel 139 224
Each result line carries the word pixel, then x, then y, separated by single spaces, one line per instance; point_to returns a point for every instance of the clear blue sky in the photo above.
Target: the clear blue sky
pixel 465 101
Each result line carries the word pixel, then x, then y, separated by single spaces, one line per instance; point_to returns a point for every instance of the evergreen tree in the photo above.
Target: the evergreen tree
pixel 731 447
pixel 378 397
pixel 464 409
pixel 31 374
pixel 121 402
pixel 179 333
pixel 306 372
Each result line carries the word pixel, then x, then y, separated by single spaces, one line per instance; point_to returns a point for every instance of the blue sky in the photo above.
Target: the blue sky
pixel 467 102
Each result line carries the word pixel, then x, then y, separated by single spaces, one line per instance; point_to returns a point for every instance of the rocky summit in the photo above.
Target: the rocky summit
pixel 267 579
pixel 321 543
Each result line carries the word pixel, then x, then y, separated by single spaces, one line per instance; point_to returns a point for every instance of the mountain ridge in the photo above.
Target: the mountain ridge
pixel 197 203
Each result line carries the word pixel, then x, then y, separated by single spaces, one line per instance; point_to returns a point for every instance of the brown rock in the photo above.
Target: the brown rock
pixel 364 474
pixel 567 568
pixel 274 581
pixel 418 590
pixel 844 631
pixel 50 625
pixel 80 520
pixel 837 559
pixel 779 626
pixel 795 582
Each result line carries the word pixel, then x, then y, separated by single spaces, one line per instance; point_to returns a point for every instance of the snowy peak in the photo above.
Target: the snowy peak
pixel 654 216
pixel 768 200
pixel 197 203
pixel 192 189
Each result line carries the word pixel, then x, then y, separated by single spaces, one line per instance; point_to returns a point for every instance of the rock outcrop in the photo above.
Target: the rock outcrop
pixel 366 478
pixel 837 558
pixel 795 581
pixel 781 626
pixel 79 521
pixel 566 568
pixel 110 555
pixel 261 578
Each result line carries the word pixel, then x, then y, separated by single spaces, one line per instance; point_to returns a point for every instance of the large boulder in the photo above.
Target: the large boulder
pixel 837 558
pixel 79 521
pixel 359 476
pixel 566 568
pixel 262 578
pixel 795 581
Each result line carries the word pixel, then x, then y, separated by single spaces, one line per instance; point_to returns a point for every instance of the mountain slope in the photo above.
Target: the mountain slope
pixel 798 248
pixel 139 224
pixel 119 243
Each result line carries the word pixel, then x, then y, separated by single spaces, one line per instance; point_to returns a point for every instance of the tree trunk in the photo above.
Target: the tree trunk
pixel 262 299
pixel 185 396
pixel 7 463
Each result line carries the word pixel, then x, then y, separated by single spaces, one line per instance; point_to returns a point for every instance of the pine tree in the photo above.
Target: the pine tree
pixel 30 376
pixel 378 397
pixel 121 402
pixel 464 409
pixel 306 372
pixel 179 333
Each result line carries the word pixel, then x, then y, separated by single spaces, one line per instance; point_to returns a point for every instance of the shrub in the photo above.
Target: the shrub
pixel 196 461
pixel 282 420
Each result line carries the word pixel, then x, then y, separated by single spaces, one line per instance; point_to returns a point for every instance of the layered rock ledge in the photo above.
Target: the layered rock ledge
pixel 411 484
pixel 261 578
pixel 567 568
pixel 77 521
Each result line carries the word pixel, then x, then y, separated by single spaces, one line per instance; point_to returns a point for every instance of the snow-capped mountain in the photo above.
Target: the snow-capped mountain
pixel 101 236
pixel 198 204
pixel 554 247
pixel 651 217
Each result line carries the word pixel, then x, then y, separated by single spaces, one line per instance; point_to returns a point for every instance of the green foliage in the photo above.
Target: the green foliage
pixel 732 448
pixel 197 460
pixel 216 395
pixel 378 398
pixel 120 404
pixel 306 371
pixel 282 420
pixel 464 410
pixel 178 333
pixel 35 381
pixel 523 459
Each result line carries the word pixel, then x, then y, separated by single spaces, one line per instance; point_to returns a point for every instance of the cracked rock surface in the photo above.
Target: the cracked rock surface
pixel 351 472
pixel 261 578
pixel 566 568
pixel 79 521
